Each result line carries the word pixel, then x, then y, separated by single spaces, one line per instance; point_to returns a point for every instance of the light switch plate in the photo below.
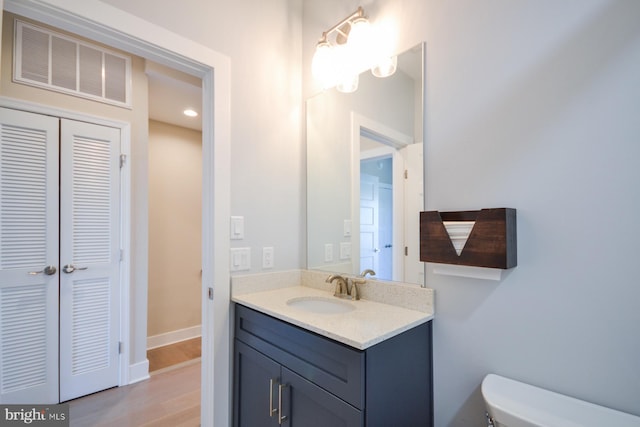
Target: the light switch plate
pixel 237 227
pixel 347 228
pixel 345 250
pixel 240 259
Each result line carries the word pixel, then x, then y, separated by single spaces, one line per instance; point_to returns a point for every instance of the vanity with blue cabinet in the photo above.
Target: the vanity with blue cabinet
pixel 288 375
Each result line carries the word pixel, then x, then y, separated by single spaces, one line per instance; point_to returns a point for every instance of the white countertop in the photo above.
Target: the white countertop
pixel 370 323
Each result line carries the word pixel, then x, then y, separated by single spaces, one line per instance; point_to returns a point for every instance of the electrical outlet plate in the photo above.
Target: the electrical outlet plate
pixel 267 257
pixel 328 252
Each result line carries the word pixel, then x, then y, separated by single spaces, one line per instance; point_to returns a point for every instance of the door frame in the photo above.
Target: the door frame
pixel 119 29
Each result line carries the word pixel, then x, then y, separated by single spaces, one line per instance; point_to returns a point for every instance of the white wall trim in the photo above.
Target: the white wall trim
pixel 173 337
pixel 139 371
pixel 125 264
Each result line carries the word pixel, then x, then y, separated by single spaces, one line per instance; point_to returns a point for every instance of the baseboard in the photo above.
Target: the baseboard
pixel 173 337
pixel 139 371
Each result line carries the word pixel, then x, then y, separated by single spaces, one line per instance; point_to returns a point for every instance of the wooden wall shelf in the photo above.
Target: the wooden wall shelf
pixel 492 242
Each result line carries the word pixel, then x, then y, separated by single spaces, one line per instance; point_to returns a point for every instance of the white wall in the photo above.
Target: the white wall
pixel 531 105
pixel 263 42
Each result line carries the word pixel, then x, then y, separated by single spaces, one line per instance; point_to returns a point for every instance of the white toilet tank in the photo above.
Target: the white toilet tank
pixel 511 403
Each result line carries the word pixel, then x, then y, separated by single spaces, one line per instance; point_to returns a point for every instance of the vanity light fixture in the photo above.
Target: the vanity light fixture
pixel 347 49
pixel 190 113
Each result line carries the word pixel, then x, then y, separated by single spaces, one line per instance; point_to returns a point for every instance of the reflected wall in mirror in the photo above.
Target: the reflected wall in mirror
pixel 365 180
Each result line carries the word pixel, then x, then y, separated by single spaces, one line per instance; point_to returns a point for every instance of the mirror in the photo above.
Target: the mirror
pixel 361 210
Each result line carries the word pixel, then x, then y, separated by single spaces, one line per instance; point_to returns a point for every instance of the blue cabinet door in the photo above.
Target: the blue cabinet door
pixel 256 388
pixel 307 405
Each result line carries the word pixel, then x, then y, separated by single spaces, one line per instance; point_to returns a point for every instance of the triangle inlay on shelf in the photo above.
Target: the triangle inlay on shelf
pixel 459 232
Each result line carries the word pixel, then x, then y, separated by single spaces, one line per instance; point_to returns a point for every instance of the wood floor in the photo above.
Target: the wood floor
pixel 173 354
pixel 171 397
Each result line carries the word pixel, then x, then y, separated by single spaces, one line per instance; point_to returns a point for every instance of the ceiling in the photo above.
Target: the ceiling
pixel 170 93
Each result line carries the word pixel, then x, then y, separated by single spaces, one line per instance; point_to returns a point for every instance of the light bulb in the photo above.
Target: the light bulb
pixel 323 65
pixel 360 45
pixel 359 34
pixel 348 83
pixel 385 67
pixel 384 61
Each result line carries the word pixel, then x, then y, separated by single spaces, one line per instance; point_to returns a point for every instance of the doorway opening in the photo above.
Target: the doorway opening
pixel 377 189
pixel 116 28
pixel 175 206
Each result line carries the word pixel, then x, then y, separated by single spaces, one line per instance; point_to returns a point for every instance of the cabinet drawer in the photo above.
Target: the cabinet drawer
pixel 333 366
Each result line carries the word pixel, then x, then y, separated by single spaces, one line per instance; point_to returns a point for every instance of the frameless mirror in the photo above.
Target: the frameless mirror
pixel 365 178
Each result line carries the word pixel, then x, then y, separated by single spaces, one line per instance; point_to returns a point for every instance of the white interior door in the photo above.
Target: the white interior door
pixel 28 258
pixel 369 239
pixel 385 232
pixel 89 258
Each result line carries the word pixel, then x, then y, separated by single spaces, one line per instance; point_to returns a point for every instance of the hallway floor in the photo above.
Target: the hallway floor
pixel 171 397
pixel 173 354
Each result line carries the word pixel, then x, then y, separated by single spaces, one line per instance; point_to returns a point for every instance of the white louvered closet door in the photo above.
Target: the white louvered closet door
pixel 89 258
pixel 28 258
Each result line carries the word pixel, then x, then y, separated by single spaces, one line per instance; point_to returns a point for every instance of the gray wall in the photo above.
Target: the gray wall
pixel 532 105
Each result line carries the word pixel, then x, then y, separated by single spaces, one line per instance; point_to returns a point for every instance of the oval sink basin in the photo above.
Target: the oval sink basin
pixel 321 305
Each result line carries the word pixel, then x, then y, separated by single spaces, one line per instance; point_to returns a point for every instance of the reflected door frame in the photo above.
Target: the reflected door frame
pixel 394 141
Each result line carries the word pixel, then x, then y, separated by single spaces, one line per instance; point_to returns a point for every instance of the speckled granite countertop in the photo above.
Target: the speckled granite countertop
pixel 369 323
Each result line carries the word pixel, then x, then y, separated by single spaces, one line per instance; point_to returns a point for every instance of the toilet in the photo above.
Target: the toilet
pixel 511 403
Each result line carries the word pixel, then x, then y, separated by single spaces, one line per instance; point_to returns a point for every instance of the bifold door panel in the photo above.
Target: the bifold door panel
pixel 89 258
pixel 28 245
pixel 59 258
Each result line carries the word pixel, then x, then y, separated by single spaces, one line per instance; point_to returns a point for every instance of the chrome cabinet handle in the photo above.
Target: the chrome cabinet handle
pixel 49 270
pixel 70 268
pixel 281 417
pixel 272 410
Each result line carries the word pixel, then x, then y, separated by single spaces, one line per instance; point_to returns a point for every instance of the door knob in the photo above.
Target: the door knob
pixel 70 268
pixel 49 270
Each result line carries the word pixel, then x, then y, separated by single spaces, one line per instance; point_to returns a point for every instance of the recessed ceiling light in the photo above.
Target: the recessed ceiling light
pixel 189 112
